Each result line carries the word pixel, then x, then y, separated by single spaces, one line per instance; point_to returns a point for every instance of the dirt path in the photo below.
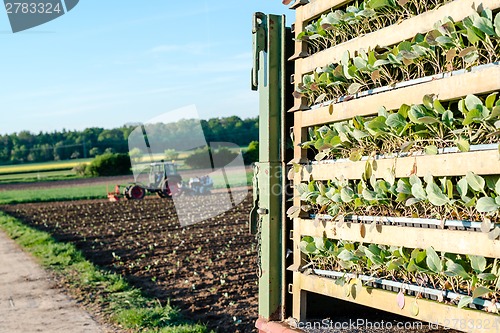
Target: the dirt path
pixel 29 302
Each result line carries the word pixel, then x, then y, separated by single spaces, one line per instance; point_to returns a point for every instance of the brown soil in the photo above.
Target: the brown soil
pixel 207 269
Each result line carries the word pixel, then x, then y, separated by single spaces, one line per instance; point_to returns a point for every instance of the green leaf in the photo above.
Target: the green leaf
pixel 486 225
pixel 396 120
pixel 472 36
pixel 416 112
pixel 478 263
pixel 487 276
pixel 447 118
pixel 433 261
pixel 322 200
pixel 415 180
pixel 320 156
pixel 497 24
pixel 301 188
pixel 480 291
pixel 428 120
pixel 374 258
pixel 431 150
pixel 321 188
pixel 376 125
pixel 462 187
pixel 346 194
pixel 449 188
pixel 403 110
pixel 417 190
pixel 346 255
pixel 485 25
pixel 345 58
pixel 475 182
pixel 438 107
pixel 354 88
pixel 359 135
pixel 497 187
pixel 435 196
pixel 428 101
pixel 403 187
pixel 360 63
pixel 473 116
pixel 472 102
pixel 293 212
pixel 490 100
pixel 415 309
pixel 454 269
pixel 462 144
pixel 486 205
pixel 464 301
pixel 307 247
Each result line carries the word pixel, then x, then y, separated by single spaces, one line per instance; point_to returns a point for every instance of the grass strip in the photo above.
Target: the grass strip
pixel 122 304
pixel 54 194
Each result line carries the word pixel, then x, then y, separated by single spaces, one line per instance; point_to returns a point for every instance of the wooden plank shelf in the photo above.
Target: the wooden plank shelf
pixel 407 29
pixel 442 240
pixel 317 7
pixel 390 230
pixel 472 321
pixel 448 88
pixel 485 162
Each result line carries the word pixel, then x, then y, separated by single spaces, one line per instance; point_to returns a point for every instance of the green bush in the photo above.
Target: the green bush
pixel 109 165
pixel 251 155
pixel 80 169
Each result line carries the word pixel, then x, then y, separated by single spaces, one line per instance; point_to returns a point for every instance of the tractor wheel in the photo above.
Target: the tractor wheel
pixel 163 191
pixel 136 192
pixel 168 189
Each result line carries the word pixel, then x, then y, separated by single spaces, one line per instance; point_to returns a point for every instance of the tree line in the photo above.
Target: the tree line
pixel 63 145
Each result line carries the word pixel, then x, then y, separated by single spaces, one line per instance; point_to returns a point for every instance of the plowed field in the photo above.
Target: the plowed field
pixel 206 269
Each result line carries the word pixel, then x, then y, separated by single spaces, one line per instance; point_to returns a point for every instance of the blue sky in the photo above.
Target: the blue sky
pixel 111 62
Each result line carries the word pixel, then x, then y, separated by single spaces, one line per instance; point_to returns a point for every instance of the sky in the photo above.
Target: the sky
pixel 112 62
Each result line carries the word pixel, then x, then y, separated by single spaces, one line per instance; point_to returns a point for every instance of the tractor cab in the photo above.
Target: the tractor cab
pixel 160 171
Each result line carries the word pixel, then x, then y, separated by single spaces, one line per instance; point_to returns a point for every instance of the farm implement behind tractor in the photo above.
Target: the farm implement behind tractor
pixel 165 181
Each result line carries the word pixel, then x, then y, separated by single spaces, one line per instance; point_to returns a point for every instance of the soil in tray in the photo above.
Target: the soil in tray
pixel 207 269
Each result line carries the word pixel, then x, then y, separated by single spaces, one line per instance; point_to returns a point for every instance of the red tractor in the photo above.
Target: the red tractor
pixel 164 180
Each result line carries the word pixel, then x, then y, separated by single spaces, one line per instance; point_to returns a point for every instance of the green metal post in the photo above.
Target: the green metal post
pixel 268 78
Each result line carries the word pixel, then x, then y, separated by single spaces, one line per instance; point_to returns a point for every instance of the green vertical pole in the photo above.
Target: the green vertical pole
pixel 267 78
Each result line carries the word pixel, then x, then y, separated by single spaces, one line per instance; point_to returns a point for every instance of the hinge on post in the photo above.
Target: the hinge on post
pixel 259 44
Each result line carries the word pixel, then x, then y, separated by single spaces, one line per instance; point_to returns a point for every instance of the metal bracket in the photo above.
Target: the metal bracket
pixel 259 44
pixel 254 213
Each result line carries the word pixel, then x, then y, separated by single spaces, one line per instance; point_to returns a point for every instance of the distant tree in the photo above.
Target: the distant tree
pixel 171 154
pixel 94 151
pixel 25 146
pixel 135 154
pixel 222 157
pixel 75 155
pixel 251 154
pixel 200 159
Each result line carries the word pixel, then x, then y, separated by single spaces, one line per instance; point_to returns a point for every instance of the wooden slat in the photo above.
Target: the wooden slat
pixel 458 10
pixel 442 240
pixel 429 311
pixel 318 7
pixel 456 164
pixel 478 82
